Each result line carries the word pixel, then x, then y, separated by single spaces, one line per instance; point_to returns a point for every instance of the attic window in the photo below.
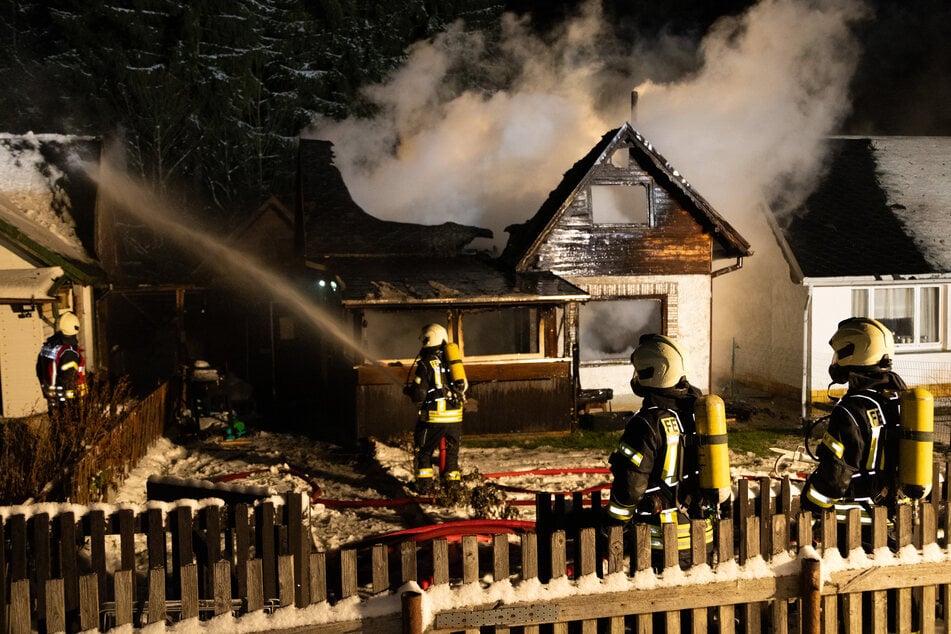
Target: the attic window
pixel 621 158
pixel 620 204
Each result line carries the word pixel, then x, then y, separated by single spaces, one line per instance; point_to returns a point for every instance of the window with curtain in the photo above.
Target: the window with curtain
pixel 911 312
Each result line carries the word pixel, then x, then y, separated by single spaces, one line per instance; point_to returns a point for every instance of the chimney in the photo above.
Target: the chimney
pixel 633 107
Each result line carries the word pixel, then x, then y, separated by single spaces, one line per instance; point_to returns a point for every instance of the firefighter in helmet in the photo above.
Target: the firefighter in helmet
pixel 656 466
pixel 60 365
pixel 858 451
pixel 438 389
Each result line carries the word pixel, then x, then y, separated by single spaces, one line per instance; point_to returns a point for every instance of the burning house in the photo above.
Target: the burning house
pixel 623 246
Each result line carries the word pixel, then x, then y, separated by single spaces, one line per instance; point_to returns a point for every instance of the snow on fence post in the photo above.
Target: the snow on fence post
pixel 811 601
pixel 412 612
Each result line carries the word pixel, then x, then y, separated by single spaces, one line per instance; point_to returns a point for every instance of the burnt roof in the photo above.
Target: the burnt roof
pixel 876 211
pixel 441 280
pixel 526 237
pixel 335 225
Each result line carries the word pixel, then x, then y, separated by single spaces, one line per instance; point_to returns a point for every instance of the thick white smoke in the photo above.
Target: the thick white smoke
pixel 743 115
pixel 772 84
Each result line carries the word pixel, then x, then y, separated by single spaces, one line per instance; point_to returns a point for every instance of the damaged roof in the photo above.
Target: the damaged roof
pixel 335 225
pixel 525 238
pixel 440 280
pixel 47 201
pixel 881 209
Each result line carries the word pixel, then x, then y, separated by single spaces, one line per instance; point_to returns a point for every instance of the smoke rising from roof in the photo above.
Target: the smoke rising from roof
pixel 739 114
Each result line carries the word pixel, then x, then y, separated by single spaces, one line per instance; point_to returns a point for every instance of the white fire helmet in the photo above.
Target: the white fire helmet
pixel 68 324
pixel 433 335
pixel 658 362
pixel 861 341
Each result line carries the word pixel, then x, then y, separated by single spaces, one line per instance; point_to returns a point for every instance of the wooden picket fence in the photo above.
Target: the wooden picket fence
pixel 109 568
pixel 121 448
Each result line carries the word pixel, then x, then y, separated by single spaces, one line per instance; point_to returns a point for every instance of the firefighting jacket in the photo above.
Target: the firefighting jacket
pixel 858 452
pixel 61 368
pixel 439 401
pixel 655 466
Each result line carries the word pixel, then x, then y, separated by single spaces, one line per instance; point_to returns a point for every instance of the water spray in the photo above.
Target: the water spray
pixel 137 200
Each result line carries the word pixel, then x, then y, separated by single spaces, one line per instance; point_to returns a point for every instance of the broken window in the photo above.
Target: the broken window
pixel 394 334
pixel 512 330
pixel 621 157
pixel 910 312
pixel 620 204
pixel 610 328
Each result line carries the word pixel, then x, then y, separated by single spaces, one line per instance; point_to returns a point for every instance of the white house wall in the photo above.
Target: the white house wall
pixel 758 320
pixel 20 340
pixel 688 305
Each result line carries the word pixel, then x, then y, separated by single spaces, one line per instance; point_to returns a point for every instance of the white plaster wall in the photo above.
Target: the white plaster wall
pixel 688 321
pixel 758 316
pixel 20 341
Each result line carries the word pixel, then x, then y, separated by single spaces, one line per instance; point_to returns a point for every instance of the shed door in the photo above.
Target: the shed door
pixel 20 341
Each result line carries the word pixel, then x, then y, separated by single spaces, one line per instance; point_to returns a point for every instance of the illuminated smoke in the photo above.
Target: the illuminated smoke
pixel 745 124
pixel 772 84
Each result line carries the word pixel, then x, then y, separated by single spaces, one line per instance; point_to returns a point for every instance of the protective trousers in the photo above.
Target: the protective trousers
pixel 426 440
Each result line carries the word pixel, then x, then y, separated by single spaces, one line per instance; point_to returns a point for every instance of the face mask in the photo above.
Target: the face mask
pixel 838 374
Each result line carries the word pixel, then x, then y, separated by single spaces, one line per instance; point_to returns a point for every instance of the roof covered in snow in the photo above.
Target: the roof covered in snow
pixel 28 285
pixel 47 202
pixel 881 209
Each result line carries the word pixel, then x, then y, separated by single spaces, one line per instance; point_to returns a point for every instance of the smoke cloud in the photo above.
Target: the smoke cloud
pixel 738 113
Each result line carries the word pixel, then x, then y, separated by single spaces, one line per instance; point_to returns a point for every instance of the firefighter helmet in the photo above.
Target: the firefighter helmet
pixel 433 335
pixel 658 362
pixel 68 324
pixel 861 342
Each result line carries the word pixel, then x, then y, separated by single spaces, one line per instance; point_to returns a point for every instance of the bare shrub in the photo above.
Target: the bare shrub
pixel 41 461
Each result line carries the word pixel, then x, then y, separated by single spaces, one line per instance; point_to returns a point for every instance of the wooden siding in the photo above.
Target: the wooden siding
pixel 503 398
pixel 676 244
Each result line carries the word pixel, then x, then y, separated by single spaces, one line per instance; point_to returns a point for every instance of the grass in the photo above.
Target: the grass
pixel 741 439
pixel 578 439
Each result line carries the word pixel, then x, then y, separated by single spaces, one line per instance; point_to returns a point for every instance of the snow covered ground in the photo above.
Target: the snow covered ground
pixel 328 474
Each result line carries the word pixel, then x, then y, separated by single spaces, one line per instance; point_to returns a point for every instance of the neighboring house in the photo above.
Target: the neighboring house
pixel 873 239
pixel 47 204
pixel 623 230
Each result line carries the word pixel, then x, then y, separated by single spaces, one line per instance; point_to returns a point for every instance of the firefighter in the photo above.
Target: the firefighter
pixel 656 466
pixel 859 451
pixel 438 389
pixel 60 365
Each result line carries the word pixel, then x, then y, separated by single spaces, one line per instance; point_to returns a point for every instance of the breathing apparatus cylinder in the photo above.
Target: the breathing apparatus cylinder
pixel 714 454
pixel 916 443
pixel 456 371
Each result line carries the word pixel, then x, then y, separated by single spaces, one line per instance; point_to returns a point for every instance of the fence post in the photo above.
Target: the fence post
pixel 811 596
pixel 412 612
